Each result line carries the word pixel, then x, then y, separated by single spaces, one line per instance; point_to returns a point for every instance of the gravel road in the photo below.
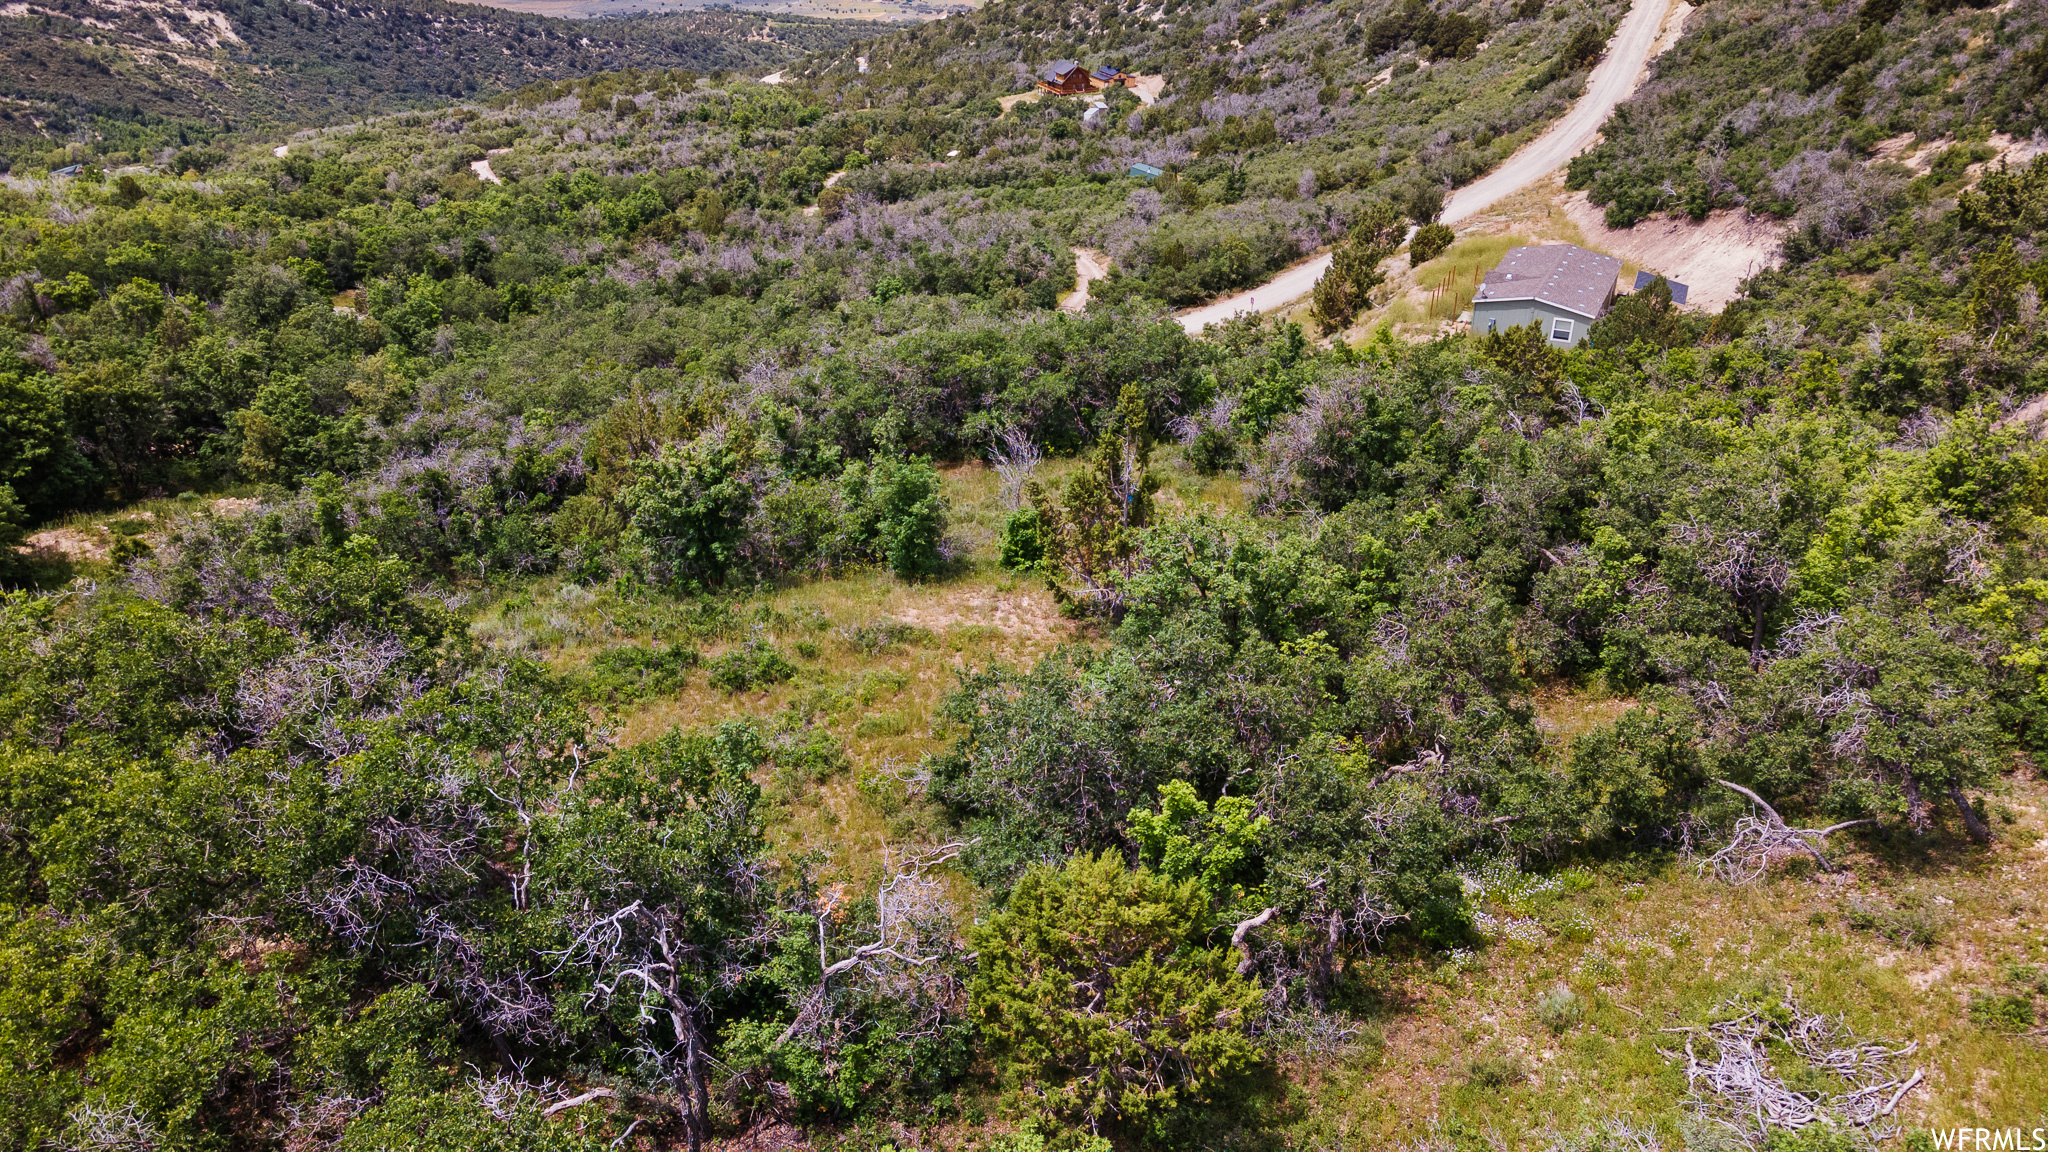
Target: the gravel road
pixel 1613 79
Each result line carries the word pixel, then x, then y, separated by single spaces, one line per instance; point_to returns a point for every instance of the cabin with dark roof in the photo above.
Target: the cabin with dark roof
pixel 1109 76
pixel 1562 287
pixel 1064 78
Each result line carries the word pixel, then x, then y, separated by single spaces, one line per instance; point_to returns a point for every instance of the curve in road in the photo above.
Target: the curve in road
pixel 1613 79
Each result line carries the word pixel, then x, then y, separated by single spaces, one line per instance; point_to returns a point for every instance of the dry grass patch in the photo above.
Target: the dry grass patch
pixel 1643 948
pixel 872 657
pixel 1568 713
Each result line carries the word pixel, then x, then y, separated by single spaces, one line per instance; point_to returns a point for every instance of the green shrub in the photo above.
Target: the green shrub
pixel 1496 1070
pixel 2002 1011
pixel 128 548
pixel 897 506
pixel 1909 924
pixel 1429 243
pixel 1023 540
pixel 754 664
pixel 1559 1010
pixel 1094 988
pixel 622 674
pixel 1027 1138
pixel 1816 1138
pixel 805 758
pixel 687 509
pixel 878 636
pixel 1213 450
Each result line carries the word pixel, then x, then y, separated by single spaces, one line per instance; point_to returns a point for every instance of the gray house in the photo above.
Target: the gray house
pixel 1562 286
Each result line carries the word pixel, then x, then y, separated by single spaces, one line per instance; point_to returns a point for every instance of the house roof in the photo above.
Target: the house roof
pixel 1561 275
pixel 1678 291
pixel 1109 72
pixel 1147 171
pixel 1058 69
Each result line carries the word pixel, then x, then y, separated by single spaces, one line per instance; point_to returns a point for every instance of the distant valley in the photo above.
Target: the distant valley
pixel 125 80
pixel 884 10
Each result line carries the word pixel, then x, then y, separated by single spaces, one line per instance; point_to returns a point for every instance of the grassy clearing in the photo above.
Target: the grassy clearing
pixel 163 510
pixel 1556 1025
pixel 873 657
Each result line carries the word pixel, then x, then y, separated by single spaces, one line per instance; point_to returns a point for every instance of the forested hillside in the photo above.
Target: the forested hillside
pixel 125 83
pixel 1279 123
pixel 627 615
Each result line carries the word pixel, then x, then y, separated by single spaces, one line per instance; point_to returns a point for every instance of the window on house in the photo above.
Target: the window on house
pixel 1492 325
pixel 1560 330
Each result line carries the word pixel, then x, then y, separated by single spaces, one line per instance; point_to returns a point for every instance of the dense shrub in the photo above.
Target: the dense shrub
pixel 1097 994
pixel 2002 1012
pixel 634 673
pixel 754 664
pixel 1429 242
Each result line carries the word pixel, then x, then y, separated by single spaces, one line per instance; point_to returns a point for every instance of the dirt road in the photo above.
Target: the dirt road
pixel 1089 266
pixel 1613 79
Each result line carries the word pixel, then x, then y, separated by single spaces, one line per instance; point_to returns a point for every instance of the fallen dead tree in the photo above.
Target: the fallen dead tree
pixel 1738 1085
pixel 1760 838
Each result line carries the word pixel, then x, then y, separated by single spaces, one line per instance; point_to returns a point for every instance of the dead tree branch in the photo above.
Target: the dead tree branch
pixel 1740 1087
pixel 578 1101
pixel 1756 841
pixel 1237 939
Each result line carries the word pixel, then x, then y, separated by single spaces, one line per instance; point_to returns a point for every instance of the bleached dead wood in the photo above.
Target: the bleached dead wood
pixel 1738 1085
pixel 577 1101
pixel 912 931
pixel 1759 839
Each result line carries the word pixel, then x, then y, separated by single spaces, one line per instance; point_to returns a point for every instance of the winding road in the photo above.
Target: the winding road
pixel 1613 79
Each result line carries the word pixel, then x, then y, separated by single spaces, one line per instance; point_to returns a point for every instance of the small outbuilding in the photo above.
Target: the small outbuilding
pixel 1147 172
pixel 1109 76
pixel 1678 291
pixel 1064 78
pixel 1563 287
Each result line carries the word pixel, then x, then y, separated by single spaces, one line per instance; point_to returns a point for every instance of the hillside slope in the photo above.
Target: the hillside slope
pixel 1277 125
pixel 625 615
pixel 118 77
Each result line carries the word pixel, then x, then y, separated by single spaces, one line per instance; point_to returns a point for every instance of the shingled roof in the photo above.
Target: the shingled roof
pixel 1562 275
pixel 1058 70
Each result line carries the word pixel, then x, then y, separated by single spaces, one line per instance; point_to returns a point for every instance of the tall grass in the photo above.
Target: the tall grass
pixel 1454 276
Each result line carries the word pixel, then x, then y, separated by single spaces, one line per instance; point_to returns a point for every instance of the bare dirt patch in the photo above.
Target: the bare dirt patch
pixel 1711 258
pixel 1148 88
pixel 1920 158
pixel 1009 102
pixel 1025 614
pixel 70 544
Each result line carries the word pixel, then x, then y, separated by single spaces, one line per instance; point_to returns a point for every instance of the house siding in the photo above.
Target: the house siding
pixel 1489 315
